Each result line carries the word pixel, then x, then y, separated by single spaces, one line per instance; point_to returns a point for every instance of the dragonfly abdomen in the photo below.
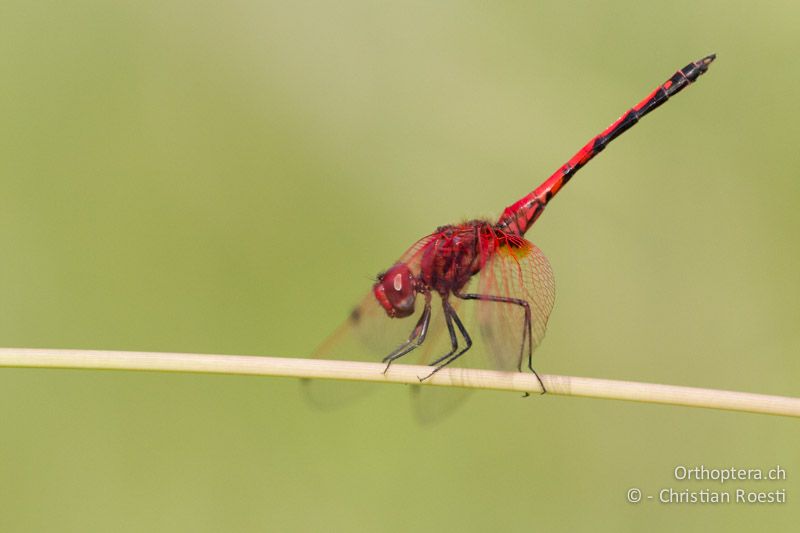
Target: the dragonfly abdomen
pixel 520 216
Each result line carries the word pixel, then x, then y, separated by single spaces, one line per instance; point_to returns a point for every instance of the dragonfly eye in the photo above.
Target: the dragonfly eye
pixel 395 291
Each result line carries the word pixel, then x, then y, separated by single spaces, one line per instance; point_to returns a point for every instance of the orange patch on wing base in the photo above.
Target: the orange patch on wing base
pixel 517 249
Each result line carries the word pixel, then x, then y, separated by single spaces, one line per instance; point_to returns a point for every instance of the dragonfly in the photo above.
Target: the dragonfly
pixel 486 269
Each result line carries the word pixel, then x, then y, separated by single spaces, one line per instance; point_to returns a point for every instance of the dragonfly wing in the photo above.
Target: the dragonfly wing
pixel 521 273
pixel 369 334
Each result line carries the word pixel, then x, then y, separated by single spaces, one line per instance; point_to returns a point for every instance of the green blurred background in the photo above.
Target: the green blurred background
pixel 184 176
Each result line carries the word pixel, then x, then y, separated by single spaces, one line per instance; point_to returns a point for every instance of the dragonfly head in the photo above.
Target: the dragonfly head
pixel 395 291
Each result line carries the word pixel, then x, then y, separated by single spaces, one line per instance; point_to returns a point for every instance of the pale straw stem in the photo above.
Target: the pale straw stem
pixel 408 374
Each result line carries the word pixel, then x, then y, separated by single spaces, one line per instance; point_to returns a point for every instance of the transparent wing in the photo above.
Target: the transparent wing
pixel 514 273
pixel 497 328
pixel 368 334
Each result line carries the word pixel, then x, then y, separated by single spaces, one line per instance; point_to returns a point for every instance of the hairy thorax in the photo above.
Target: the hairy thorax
pixel 455 254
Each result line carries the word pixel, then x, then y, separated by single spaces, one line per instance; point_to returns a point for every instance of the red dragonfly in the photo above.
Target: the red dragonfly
pixel 508 278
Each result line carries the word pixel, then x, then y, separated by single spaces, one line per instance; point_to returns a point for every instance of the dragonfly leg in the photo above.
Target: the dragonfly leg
pixel 451 330
pixel 526 329
pixel 451 316
pixel 415 339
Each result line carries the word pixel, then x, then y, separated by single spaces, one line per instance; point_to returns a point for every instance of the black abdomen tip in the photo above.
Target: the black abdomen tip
pixel 708 59
pixel 694 70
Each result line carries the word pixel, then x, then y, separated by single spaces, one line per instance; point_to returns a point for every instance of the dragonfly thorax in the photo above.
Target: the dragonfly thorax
pixel 455 254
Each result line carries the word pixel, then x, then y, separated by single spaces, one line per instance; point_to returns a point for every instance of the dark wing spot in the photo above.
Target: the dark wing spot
pixel 355 315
